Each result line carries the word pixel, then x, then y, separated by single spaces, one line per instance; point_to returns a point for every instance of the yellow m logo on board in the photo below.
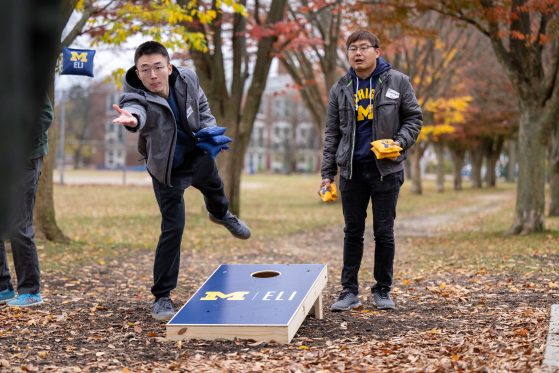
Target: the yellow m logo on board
pixel 214 295
pixel 79 56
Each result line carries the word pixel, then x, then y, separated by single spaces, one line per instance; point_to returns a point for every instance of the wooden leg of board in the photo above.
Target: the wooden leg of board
pixel 317 308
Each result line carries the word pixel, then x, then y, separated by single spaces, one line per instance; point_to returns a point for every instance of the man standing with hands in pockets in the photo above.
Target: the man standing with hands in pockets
pixel 371 102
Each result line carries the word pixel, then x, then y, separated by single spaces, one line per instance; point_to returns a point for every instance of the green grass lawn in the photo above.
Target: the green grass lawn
pixel 107 222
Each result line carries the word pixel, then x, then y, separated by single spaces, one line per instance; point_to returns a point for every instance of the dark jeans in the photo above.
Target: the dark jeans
pixel 366 184
pixel 200 171
pixel 22 236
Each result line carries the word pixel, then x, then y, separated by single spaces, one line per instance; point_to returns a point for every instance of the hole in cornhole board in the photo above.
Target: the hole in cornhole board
pixel 265 274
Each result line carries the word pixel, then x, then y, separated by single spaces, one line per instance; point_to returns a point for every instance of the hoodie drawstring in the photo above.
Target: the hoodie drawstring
pixel 370 93
pixel 356 97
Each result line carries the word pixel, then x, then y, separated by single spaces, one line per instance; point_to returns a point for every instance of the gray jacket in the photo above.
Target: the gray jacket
pixel 396 116
pixel 156 123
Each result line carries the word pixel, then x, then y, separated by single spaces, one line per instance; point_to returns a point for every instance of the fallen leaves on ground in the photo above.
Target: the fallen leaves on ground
pixel 450 316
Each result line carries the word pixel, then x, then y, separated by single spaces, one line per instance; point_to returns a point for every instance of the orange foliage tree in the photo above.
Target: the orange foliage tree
pixel 523 35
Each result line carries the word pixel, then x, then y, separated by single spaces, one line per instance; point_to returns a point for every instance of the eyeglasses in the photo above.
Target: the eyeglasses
pixel 146 71
pixel 361 49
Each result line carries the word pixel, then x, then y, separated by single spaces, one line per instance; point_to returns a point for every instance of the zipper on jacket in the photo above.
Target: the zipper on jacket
pixel 169 157
pixel 375 120
pixel 352 140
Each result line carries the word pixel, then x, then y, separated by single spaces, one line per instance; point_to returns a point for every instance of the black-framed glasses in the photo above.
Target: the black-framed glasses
pixel 361 49
pixel 146 71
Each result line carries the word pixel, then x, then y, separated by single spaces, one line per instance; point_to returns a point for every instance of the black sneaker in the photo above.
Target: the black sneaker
pixel 162 309
pixel 346 301
pixel 236 226
pixel 382 299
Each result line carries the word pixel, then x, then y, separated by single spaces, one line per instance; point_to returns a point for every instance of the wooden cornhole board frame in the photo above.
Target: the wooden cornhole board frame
pixel 244 301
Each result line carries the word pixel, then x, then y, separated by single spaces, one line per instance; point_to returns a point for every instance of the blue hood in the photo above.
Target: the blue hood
pixel 363 111
pixel 382 66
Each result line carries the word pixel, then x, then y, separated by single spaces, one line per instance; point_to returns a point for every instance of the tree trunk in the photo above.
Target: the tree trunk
pixel 511 166
pixel 493 152
pixel 407 169
pixel 439 152
pixel 530 196
pixel 554 173
pixel 415 159
pixel 477 162
pixel 458 155
pixel 231 167
pixel 241 115
pixel 44 213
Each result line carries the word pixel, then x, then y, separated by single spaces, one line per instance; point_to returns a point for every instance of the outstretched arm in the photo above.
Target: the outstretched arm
pixel 125 118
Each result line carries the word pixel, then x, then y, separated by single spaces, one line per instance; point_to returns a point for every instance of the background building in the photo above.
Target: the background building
pixel 284 139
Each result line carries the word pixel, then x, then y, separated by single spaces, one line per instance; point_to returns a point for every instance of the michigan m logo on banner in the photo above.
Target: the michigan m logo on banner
pixel 77 61
pixel 78 56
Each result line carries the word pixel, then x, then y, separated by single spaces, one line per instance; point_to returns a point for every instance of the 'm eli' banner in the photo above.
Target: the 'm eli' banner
pixel 77 61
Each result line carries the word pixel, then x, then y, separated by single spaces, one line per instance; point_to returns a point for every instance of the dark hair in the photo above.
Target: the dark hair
pixel 362 35
pixel 150 47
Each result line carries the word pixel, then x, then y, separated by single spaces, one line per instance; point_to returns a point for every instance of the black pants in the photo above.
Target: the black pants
pixel 22 236
pixel 366 184
pixel 200 171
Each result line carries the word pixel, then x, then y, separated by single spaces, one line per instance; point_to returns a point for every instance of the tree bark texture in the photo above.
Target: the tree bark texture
pixel 477 163
pixel 554 173
pixel 439 153
pixel 512 164
pixel 530 197
pixel 415 154
pixel 458 155
pixel 492 153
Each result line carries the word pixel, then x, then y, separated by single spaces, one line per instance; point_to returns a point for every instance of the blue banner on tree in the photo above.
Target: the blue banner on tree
pixel 77 61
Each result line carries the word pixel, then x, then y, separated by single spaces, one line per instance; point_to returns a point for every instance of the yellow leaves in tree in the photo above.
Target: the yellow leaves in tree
pixel 116 77
pixel 447 113
pixel 205 16
pixel 196 40
pixel 449 57
pixel 162 20
pixel 80 5
pixel 434 132
pixel 237 8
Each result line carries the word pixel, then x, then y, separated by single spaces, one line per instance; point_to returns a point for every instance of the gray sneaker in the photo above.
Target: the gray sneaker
pixel 346 301
pixel 162 309
pixel 236 226
pixel 382 299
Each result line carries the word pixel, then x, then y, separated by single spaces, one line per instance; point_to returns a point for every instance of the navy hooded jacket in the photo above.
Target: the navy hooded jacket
pixel 364 99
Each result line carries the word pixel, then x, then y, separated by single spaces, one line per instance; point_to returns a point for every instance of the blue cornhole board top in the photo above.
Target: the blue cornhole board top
pixel 268 301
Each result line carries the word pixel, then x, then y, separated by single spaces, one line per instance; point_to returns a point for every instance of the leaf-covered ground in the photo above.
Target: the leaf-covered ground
pixel 468 299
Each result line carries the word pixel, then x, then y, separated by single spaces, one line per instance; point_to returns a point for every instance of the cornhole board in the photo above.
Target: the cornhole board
pixel 252 301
